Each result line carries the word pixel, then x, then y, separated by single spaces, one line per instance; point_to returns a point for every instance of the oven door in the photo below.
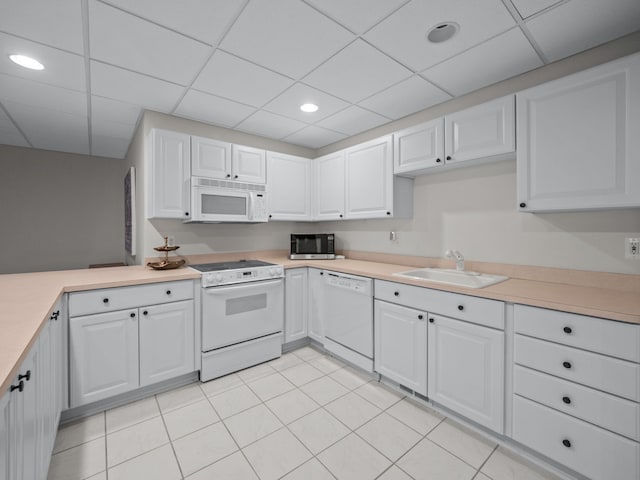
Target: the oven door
pixel 236 313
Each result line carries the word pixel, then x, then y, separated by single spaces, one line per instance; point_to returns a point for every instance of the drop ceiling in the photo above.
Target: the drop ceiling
pixel 249 65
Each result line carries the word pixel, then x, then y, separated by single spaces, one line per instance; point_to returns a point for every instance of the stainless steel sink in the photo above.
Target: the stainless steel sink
pixel 453 277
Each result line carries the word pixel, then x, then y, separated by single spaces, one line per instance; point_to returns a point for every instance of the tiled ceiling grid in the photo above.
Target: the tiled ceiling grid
pixel 249 64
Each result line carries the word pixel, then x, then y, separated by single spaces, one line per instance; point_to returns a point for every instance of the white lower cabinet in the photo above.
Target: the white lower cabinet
pixel 295 305
pixel 466 370
pixel 166 341
pixel 129 346
pixel 5 438
pixel 315 289
pixel 400 351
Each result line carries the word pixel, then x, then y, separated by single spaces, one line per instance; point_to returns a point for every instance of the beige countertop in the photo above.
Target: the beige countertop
pixel 28 299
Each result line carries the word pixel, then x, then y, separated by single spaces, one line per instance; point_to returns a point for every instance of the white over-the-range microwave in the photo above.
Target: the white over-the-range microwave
pixel 225 201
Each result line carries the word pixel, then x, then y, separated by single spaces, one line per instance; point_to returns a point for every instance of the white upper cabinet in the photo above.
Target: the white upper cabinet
pixel 210 158
pixel 248 164
pixel 578 140
pixel 329 186
pixel 484 132
pixel 419 147
pixel 169 175
pixel 289 187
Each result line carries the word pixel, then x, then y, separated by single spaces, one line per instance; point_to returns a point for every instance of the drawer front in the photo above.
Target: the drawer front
pixel 611 375
pixel 481 311
pixel 589 450
pixel 607 411
pixel 120 298
pixel 617 339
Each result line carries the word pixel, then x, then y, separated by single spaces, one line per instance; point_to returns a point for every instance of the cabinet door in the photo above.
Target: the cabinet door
pixel 486 130
pixel 295 301
pixel 103 353
pixel 329 186
pixel 369 179
pixel 5 438
pixel 401 345
pixel 45 400
pixel 210 158
pixel 578 140
pixel 316 300
pixel 170 175
pixel 248 164
pixel 167 341
pixel 289 187
pixel 466 370
pixel 418 148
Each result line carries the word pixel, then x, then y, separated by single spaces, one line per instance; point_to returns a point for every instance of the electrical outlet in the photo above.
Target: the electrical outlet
pixel 632 248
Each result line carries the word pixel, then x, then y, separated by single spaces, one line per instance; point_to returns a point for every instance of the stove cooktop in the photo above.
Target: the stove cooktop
pixel 235 265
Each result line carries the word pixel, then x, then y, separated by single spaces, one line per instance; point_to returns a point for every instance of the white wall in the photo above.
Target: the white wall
pixel 59 210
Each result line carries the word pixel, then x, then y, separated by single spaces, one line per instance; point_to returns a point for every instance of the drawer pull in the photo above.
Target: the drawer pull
pixel 19 387
pixel 460 307
pixel 567 330
pixel 145 313
pixel 566 443
pixel 397 294
pixel 105 300
pixel 420 317
pixel 26 376
pixel 132 315
pixel 566 400
pixel 168 292
pixel 431 320
pixel 566 365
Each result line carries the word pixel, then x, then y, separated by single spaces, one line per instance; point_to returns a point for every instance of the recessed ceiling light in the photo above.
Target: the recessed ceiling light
pixel 309 107
pixel 26 62
pixel 442 32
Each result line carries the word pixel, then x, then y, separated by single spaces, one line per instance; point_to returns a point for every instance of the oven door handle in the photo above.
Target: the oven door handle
pixel 237 286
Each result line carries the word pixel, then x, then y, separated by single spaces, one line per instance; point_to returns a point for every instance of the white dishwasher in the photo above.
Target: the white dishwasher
pixel 348 318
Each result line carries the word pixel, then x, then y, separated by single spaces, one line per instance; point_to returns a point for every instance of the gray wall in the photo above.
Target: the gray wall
pixel 59 210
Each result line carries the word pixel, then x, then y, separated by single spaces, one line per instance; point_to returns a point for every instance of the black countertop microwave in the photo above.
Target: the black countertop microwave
pixel 312 246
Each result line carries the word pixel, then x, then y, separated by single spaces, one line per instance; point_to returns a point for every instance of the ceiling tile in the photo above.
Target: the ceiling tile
pixel 526 8
pixel 236 79
pixel 357 72
pixel 405 98
pixel 37 94
pixel 353 120
pixel 130 87
pixel 211 109
pixel 314 137
pixel 105 146
pixel 357 15
pixel 497 59
pixel 119 130
pixel 58 24
pixel 205 20
pixel 403 34
pixel 61 68
pixel 270 125
pixel 578 25
pixel 287 36
pixel 108 110
pixel 9 134
pixel 50 129
pixel 288 103
pixel 127 41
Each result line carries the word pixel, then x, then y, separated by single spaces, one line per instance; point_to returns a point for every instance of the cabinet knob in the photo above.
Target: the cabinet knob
pixel 566 443
pixel 397 294
pixel 270 216
pixel 228 175
pixel 431 320
pixel 340 215
pixel 567 330
pixel 105 300
pixel 321 273
pixel 168 292
pixel 461 307
pixel 132 315
pixel 438 160
pixel 566 400
pixel 19 387
pixel 448 157
pixel 26 376
pixel 235 176
pixel 522 204
pixel 145 313
pixel 566 365
pixel 420 317
pixel 388 213
pixel 186 214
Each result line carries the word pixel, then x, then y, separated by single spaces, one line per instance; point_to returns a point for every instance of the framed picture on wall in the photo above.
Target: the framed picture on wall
pixel 130 211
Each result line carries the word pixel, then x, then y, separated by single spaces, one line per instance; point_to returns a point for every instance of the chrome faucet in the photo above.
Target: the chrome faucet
pixel 457 256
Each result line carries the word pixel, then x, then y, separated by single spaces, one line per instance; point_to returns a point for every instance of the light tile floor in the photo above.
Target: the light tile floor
pixel 304 416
